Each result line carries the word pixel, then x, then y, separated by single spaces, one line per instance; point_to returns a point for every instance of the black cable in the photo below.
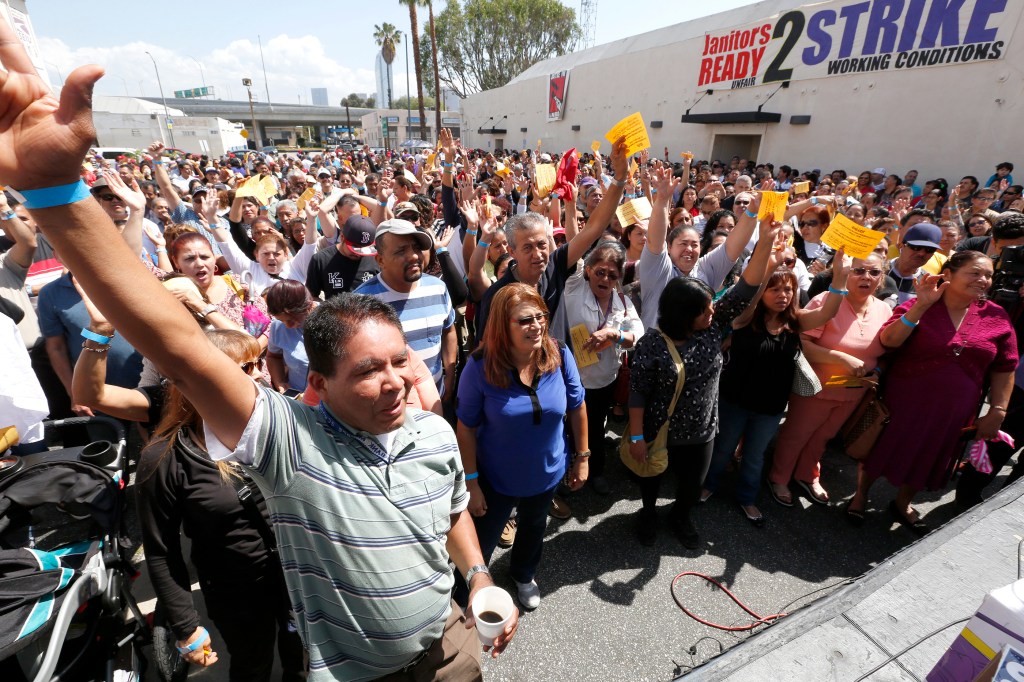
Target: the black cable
pixel 847 581
pixel 908 648
pixel 1020 545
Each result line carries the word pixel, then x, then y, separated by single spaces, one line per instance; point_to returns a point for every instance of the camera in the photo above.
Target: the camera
pixel 1008 279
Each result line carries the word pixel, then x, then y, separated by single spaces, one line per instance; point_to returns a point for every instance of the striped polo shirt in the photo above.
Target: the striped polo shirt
pixel 425 312
pixel 361 530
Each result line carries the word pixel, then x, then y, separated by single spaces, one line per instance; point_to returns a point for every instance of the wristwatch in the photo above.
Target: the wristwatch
pixel 207 310
pixel 473 570
pixel 583 453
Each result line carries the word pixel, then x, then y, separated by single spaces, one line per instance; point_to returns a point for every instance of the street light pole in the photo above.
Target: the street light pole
pixel 408 96
pixel 257 140
pixel 167 115
pixel 202 74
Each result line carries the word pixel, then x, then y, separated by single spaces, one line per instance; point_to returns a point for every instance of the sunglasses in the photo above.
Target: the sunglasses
pixel 610 275
pixel 789 262
pixel 922 249
pixel 808 223
pixel 873 272
pixel 744 202
pixel 539 318
pixel 248 367
pixel 108 197
pixel 975 223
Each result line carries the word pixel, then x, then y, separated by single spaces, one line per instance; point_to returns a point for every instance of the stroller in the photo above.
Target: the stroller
pixel 65 574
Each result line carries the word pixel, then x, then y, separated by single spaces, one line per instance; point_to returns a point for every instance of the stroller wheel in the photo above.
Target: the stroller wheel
pixel 169 663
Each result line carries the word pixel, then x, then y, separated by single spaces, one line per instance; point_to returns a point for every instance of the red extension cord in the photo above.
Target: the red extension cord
pixel 759 620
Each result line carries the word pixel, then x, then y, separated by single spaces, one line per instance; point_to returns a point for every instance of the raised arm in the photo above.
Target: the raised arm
pixel 135 200
pixel 758 265
pixel 167 189
pixel 602 215
pixel 24 237
pixel 812 319
pixel 42 144
pixel 657 228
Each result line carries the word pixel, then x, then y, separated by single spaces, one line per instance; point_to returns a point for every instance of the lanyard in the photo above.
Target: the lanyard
pixel 335 426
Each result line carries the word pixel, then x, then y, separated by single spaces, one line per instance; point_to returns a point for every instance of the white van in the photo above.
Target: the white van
pixel 113 152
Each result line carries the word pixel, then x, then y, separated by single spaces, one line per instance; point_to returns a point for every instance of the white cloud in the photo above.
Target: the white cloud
pixel 294 65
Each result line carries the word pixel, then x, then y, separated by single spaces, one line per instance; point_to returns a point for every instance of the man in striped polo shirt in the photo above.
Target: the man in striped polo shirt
pixel 421 301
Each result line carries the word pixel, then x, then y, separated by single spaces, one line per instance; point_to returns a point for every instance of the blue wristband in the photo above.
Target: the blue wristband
pixel 472 476
pixel 621 338
pixel 204 635
pixel 814 201
pixel 441 249
pixel 472 232
pixel 636 439
pixel 48 197
pixel 909 323
pixel 93 336
pixel 841 292
pixel 747 213
pixel 484 244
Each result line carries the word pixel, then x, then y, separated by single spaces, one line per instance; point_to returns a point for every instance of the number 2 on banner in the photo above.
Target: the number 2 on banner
pixel 774 73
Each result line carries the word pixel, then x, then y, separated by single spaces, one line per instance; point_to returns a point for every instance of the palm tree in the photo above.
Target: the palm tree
pixel 387 36
pixel 414 30
pixel 439 100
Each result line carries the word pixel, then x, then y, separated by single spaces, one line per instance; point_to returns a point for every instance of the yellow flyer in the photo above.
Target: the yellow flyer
pixel 773 205
pixel 633 128
pixel 305 197
pixel 584 357
pixel 857 241
pixel 837 381
pixel 634 210
pixel 801 187
pixel 596 146
pixel 546 176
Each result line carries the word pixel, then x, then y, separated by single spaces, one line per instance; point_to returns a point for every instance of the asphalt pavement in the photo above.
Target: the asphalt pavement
pixel 608 613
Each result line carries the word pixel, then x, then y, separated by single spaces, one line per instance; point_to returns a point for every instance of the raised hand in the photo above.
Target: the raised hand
pixel 929 288
pixel 42 141
pixel 443 239
pixel 447 144
pixel 840 269
pixel 468 209
pixel 132 196
pixel 620 162
pixel 665 185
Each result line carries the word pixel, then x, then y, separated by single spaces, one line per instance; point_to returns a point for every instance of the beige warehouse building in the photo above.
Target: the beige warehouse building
pixel 930 84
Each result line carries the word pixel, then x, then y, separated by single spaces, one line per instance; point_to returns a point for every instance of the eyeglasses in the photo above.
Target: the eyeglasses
pixel 610 275
pixel 808 223
pixel 975 223
pixel 248 367
pixel 860 272
pixel 742 202
pixel 922 249
pixel 108 197
pixel 1012 194
pixel 985 198
pixel 789 262
pixel 539 318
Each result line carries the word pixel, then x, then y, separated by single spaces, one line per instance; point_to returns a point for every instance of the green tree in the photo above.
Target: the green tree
pixel 414 31
pixel 401 103
pixel 387 36
pixel 484 44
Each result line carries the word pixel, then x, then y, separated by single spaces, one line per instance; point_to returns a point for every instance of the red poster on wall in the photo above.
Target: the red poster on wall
pixel 558 86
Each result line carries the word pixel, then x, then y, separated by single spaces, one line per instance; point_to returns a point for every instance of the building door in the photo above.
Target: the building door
pixel 725 147
pixel 499 144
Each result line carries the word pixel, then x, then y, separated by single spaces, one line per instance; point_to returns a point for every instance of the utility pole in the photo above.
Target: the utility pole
pixel 167 115
pixel 266 83
pixel 257 140
pixel 202 74
pixel 408 96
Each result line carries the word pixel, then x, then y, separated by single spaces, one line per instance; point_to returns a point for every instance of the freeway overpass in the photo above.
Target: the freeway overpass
pixel 276 115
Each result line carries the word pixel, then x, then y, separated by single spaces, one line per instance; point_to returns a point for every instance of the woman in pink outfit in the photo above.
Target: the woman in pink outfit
pixel 949 345
pixel 846 346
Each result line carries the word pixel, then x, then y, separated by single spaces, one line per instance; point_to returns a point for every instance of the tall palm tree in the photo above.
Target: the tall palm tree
pixel 414 30
pixel 387 36
pixel 438 99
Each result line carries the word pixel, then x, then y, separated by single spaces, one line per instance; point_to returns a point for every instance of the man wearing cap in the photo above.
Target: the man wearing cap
pixel 326 181
pixel 211 176
pixel 347 265
pixel 878 179
pixel 919 243
pixel 421 301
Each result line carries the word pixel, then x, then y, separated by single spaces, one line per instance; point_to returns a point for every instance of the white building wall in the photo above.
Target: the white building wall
pixel 134 123
pixel 942 120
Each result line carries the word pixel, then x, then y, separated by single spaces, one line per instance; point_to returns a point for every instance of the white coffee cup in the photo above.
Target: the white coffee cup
pixel 492 600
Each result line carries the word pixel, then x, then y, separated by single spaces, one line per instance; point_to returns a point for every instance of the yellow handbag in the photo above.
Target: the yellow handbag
pixel 657 451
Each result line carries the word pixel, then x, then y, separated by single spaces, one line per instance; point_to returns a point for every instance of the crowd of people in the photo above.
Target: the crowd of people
pixel 413 358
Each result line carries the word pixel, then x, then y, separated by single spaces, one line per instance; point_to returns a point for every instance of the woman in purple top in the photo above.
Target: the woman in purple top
pixel 514 396
pixel 949 344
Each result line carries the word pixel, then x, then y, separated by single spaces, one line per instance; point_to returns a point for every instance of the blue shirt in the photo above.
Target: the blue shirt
pixel 288 343
pixel 62 313
pixel 521 451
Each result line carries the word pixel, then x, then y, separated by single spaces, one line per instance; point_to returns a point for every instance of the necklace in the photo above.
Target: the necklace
pixel 860 317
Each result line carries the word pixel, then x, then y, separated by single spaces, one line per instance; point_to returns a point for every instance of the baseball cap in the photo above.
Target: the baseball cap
pixel 199 189
pixel 405 207
pixel 323 174
pixel 358 233
pixel 211 169
pixel 878 171
pixel 558 232
pixel 923 234
pixel 545 158
pixel 403 228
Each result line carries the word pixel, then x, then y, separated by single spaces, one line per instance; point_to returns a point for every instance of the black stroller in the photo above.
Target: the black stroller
pixel 66 608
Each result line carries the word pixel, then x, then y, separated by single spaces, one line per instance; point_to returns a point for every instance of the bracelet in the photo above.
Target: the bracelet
pixel 621 338
pixel 636 439
pixel 382 203
pixel 207 310
pixel 814 201
pixel 909 323
pixel 49 197
pixel 747 213
pixel 9 215
pixel 618 183
pixel 441 249
pixel 161 250
pixel 472 232
pixel 203 636
pixel 446 165
pixel 484 244
pixel 841 292
pixel 98 338
pixel 997 407
pixel 101 349
pixel 473 476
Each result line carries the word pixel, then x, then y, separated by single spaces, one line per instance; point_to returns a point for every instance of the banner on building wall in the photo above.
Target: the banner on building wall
pixel 856 36
pixel 558 86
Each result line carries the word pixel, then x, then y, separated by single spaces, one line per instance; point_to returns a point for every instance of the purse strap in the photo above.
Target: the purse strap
pixel 680 374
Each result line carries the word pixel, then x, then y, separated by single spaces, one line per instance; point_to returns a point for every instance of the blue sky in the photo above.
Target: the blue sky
pixel 313 44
